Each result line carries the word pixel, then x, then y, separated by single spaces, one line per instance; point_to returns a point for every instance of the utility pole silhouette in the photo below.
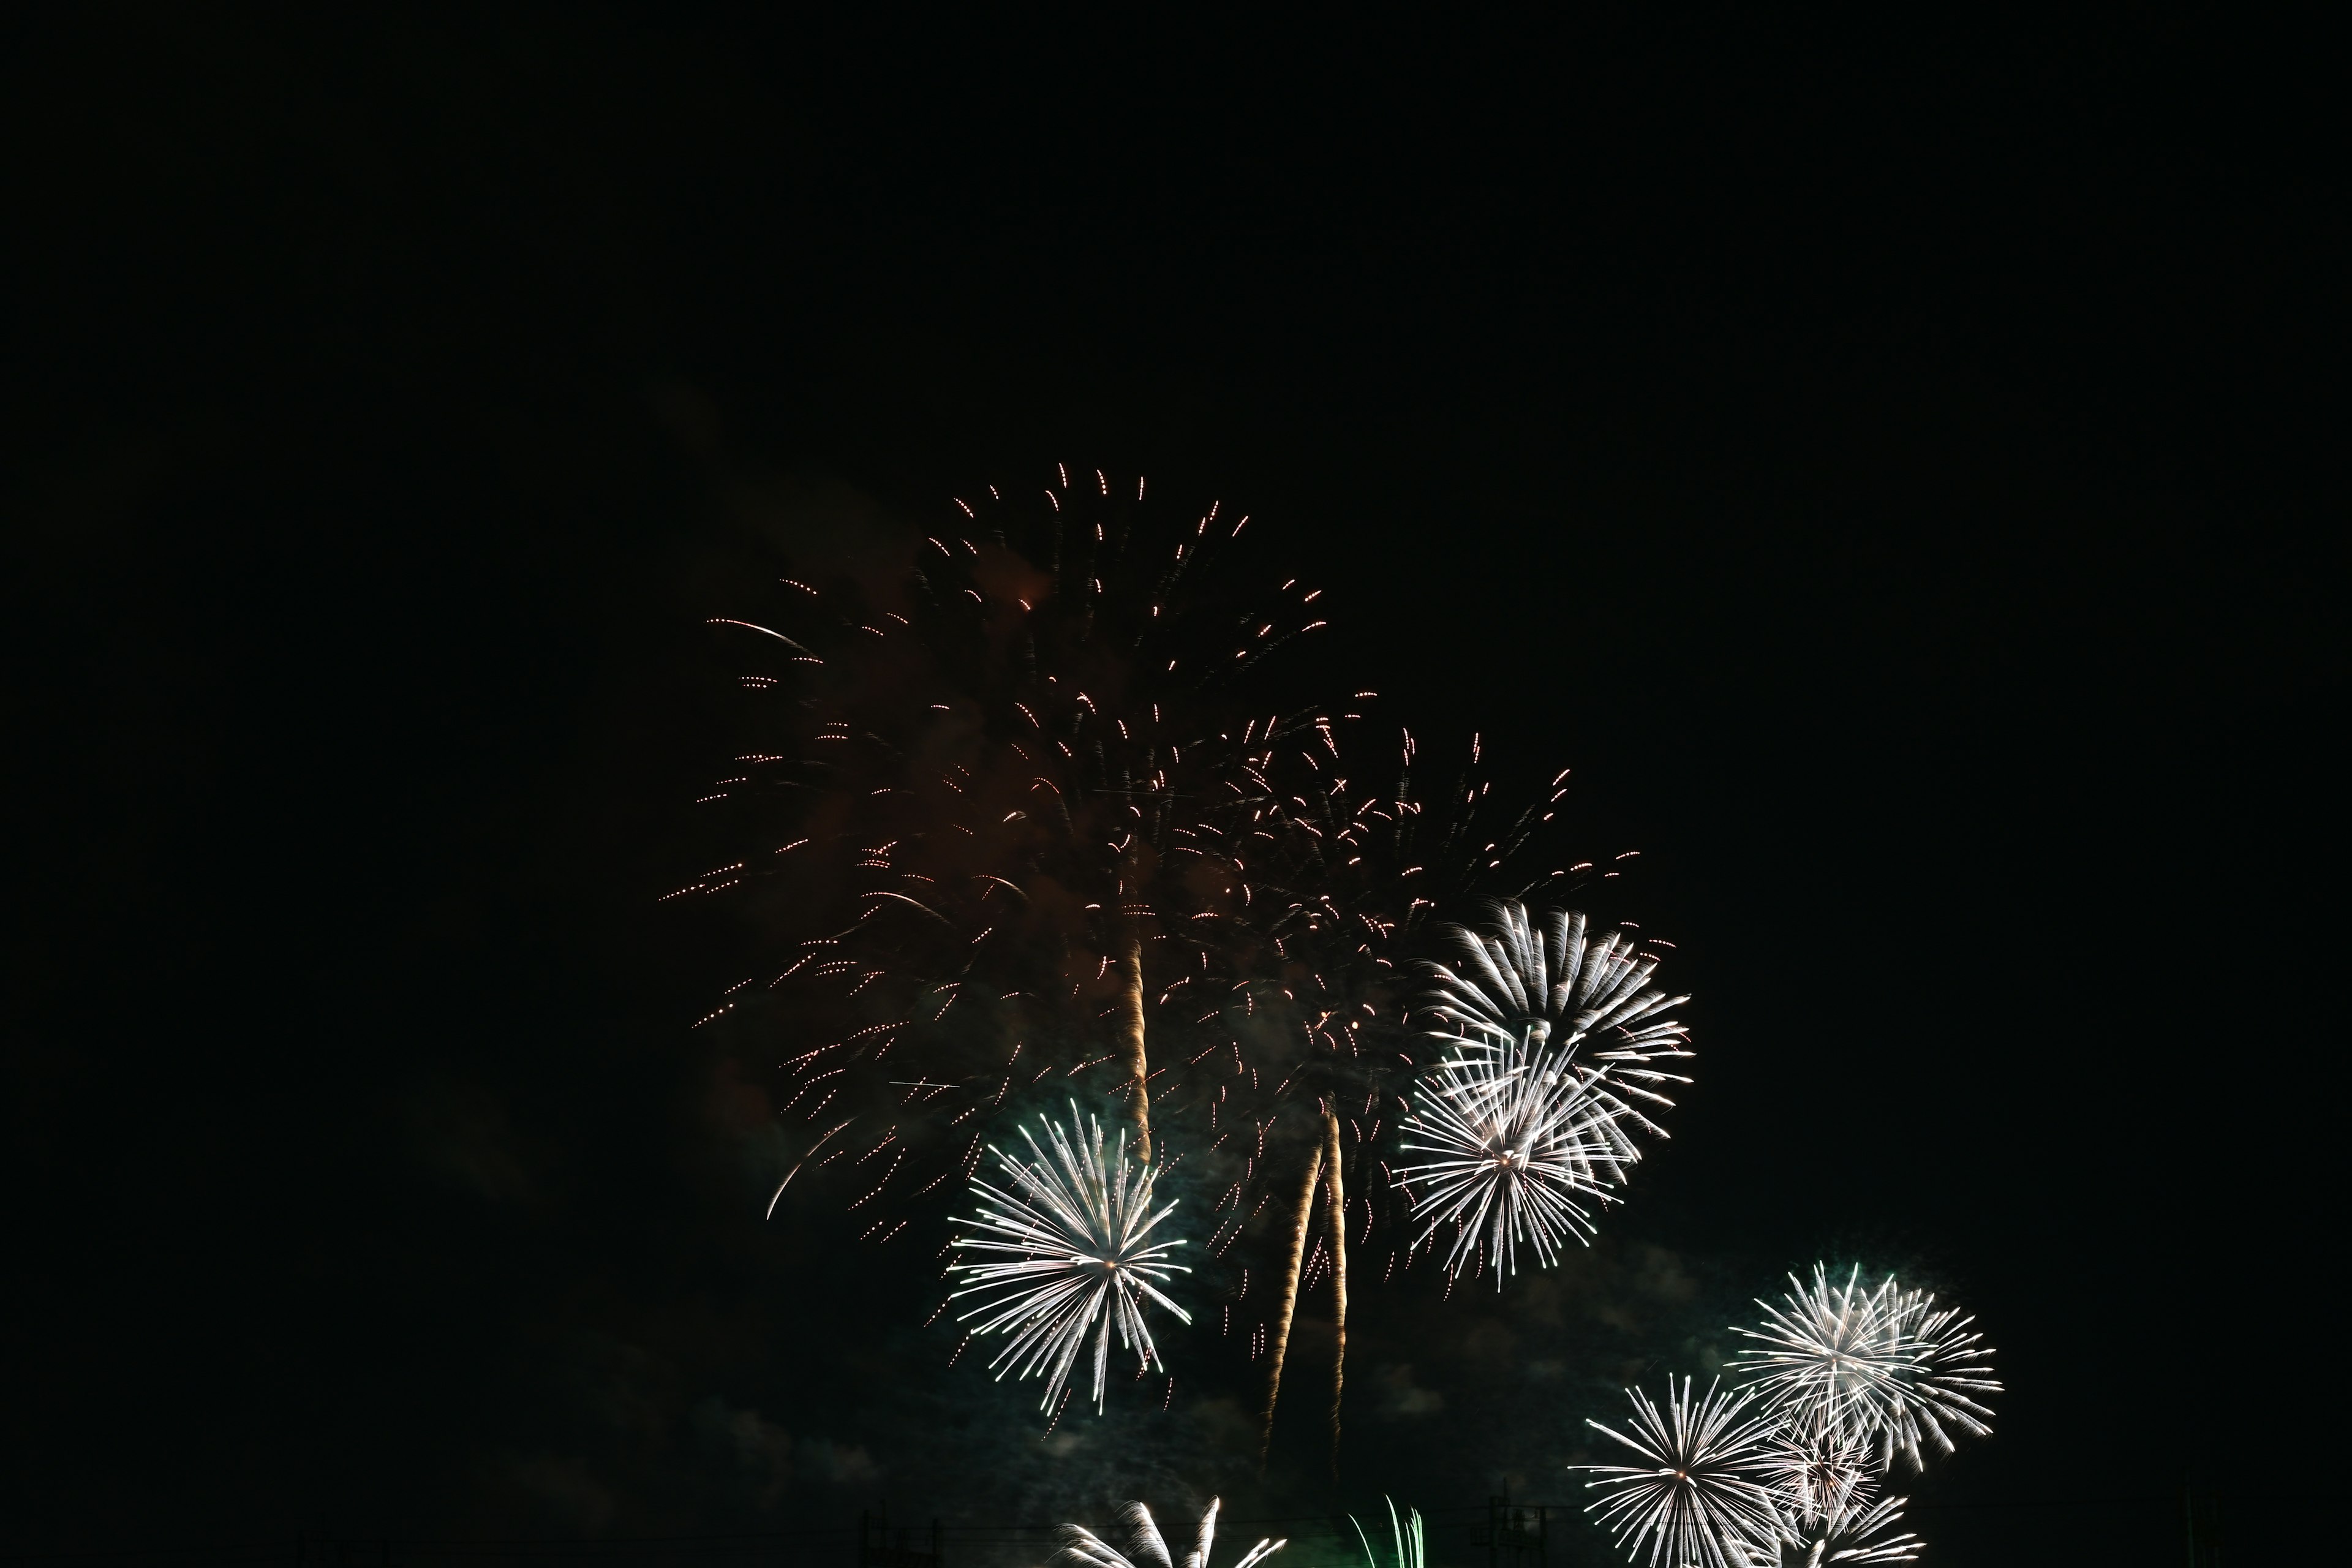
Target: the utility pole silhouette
pixel 1514 1535
pixel 2203 1507
pixel 879 1547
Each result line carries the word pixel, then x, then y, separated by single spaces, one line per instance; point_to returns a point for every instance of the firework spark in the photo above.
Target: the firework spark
pixel 1289 1301
pixel 1526 1141
pixel 1883 1367
pixel 1699 1498
pixel 1408 1545
pixel 1523 1147
pixel 1073 1254
pixel 1808 1469
pixel 1348 860
pixel 1950 1364
pixel 1823 1484
pixel 1082 1548
pixel 979 785
pixel 1840 1527
pixel 1830 1357
pixel 1521 983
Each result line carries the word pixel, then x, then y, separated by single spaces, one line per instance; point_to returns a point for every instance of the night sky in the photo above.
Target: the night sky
pixel 1901 471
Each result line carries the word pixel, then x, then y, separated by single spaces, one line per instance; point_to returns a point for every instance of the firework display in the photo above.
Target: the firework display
pixel 1069 1254
pixel 1034 833
pixel 1347 876
pixel 988 795
pixel 1844 1531
pixel 1842 1381
pixel 1029 828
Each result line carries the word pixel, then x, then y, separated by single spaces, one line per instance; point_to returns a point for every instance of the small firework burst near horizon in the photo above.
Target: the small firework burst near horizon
pixel 1841 1526
pixel 1147 1548
pixel 1844 1531
pixel 1699 1496
pixel 1071 1255
pixel 1825 1503
pixel 1525 1141
pixel 1884 1367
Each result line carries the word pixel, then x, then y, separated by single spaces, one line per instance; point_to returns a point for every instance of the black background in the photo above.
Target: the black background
pixel 1900 468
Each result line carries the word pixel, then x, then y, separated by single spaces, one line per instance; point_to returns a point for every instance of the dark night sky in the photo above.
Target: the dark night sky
pixel 1902 471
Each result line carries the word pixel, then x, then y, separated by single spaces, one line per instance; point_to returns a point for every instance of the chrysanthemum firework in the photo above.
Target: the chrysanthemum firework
pixel 1017 799
pixel 1527 1125
pixel 1514 1146
pixel 1068 1255
pixel 1950 1368
pixel 1558 982
pixel 1884 1367
pixel 1698 1497
pixel 1829 1356
pixel 1806 1468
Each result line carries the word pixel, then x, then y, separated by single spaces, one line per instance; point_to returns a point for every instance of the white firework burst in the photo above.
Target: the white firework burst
pixel 1558 982
pixel 1082 1548
pixel 1823 1487
pixel 1071 1258
pixel 1520 1146
pixel 1844 1527
pixel 1951 1366
pixel 1883 1367
pixel 1806 1469
pixel 1526 1140
pixel 1831 1356
pixel 1699 1498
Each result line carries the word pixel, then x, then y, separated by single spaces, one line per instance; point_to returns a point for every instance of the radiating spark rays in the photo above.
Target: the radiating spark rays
pixel 1071 1252
pixel 1842 1379
pixel 1344 876
pixel 1824 1505
pixel 1408 1544
pixel 1519 980
pixel 1698 1497
pixel 1081 1548
pixel 1882 1366
pixel 1828 1355
pixel 1807 1469
pixel 1844 1529
pixel 1014 820
pixel 1525 1143
pixel 1523 1147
